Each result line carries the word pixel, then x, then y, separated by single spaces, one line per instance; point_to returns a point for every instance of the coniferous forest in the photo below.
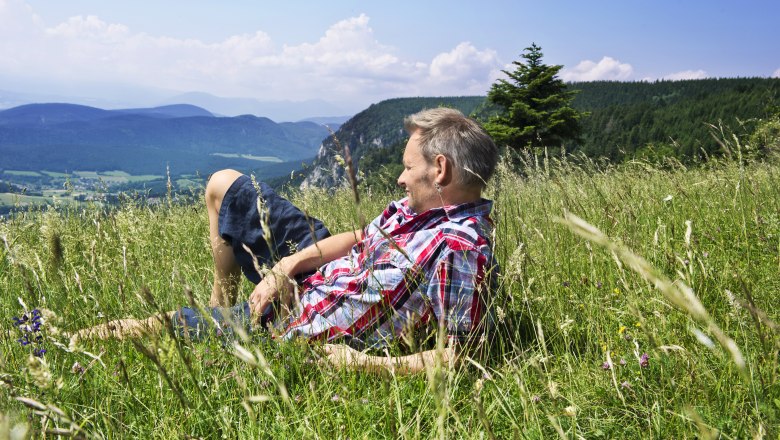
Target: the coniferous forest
pixel 670 117
pixel 625 120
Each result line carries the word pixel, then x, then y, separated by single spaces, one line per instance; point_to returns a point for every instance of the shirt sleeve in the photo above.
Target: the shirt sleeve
pixel 457 293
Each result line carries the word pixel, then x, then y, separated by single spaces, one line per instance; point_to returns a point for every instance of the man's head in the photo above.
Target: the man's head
pixel 448 159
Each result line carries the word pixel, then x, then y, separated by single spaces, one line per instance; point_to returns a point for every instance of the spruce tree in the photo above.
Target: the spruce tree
pixel 534 106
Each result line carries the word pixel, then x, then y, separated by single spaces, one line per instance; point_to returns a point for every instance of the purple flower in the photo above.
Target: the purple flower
pixel 536 399
pixel 625 385
pixel 565 284
pixel 606 365
pixel 30 327
pixel 622 361
pixel 644 360
pixel 598 284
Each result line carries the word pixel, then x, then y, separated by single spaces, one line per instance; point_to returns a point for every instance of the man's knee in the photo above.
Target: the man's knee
pixel 218 184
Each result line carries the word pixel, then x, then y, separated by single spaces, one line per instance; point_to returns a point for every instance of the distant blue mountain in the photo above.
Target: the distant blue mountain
pixel 67 137
pixel 169 111
pixel 278 110
pixel 56 113
pixel 50 114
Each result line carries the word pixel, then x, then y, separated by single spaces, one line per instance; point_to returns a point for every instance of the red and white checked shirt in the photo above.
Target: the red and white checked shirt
pixel 425 266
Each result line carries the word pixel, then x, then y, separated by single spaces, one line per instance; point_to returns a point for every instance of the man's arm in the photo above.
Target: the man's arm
pixel 279 279
pixel 343 356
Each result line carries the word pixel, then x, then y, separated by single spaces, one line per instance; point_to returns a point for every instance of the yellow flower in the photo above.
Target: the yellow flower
pixel 616 291
pixel 622 329
pixel 638 324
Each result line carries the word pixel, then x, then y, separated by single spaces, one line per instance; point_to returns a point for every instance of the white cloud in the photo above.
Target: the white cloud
pixel 607 68
pixel 89 27
pixel 462 62
pixel 686 74
pixel 776 74
pixel 346 64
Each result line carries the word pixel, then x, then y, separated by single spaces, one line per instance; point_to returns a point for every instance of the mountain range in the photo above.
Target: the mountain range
pixel 66 137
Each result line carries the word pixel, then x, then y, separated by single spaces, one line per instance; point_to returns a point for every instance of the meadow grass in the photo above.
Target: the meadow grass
pixel 588 344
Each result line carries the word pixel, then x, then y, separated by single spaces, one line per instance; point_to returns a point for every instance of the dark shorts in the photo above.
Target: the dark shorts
pixel 239 224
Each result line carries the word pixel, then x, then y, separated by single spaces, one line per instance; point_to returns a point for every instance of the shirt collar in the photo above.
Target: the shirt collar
pixel 480 208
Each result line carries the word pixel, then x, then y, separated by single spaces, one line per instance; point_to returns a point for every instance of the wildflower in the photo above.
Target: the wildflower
pixel 705 254
pixel 30 324
pixel 536 399
pixel 638 324
pixel 335 398
pixel 598 284
pixel 77 368
pixel 616 291
pixel 500 314
pixel 606 366
pixel 622 361
pixel 565 284
pixel 625 385
pixel 622 329
pixel 644 360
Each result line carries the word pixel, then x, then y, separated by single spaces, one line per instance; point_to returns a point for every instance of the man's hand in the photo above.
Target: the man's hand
pixel 276 284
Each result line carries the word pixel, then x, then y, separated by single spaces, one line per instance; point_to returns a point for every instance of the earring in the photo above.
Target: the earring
pixel 437 186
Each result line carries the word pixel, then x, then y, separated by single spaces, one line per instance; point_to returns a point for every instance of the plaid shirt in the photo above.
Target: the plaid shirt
pixel 407 270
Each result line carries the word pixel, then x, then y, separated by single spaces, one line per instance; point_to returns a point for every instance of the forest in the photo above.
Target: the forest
pixel 624 120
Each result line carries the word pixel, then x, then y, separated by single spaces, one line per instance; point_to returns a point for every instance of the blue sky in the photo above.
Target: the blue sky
pixel 353 53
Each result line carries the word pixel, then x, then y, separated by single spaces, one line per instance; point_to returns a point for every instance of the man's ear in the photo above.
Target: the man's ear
pixel 443 169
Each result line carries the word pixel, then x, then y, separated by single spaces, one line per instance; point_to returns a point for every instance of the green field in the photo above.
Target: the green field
pixel 250 157
pixel 596 336
pixel 22 173
pixel 7 199
pixel 55 174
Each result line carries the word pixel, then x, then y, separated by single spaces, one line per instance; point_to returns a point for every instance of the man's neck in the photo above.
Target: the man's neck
pixel 455 197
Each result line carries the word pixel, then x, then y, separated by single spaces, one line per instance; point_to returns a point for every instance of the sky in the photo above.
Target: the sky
pixel 353 53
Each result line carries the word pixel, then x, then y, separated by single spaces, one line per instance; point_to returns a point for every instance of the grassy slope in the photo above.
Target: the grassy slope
pixel 564 304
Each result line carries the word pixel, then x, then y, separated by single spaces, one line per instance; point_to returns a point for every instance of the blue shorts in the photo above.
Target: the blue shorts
pixel 239 224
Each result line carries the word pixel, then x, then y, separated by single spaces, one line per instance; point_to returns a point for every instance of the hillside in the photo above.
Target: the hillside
pixel 582 343
pixel 625 120
pixel 67 137
pixel 378 127
pixel 672 117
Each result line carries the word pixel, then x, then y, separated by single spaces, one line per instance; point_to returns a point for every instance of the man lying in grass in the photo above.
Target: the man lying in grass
pixel 425 260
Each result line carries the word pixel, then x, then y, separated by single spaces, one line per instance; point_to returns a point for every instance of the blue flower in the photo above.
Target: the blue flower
pixel 30 325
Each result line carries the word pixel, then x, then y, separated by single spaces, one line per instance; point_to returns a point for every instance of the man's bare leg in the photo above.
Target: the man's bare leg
pixel 227 273
pixel 124 328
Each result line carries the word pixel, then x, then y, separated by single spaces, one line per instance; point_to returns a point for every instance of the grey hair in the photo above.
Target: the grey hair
pixel 460 139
